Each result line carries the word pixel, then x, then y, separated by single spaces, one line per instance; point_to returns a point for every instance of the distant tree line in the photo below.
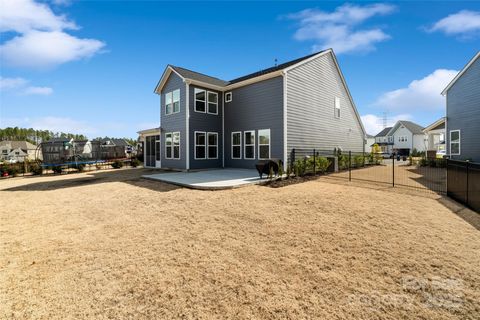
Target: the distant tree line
pixel 39 136
pixel 35 136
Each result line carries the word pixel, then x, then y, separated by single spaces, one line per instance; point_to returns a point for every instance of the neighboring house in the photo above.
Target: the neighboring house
pixel 407 136
pixel 463 113
pixel 114 149
pixel 207 122
pixel 435 135
pixel 369 142
pixel 57 150
pixel 18 151
pixel 384 141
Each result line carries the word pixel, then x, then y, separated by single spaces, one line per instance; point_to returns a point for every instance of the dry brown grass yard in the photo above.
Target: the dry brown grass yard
pixel 109 245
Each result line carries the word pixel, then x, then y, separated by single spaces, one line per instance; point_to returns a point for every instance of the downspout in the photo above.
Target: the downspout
pixel 187 126
pixel 223 129
pixel 285 136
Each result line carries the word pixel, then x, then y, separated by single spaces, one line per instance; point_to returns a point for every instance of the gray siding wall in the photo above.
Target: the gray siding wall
pixel 463 113
pixel 208 123
pixel 253 107
pixel 173 122
pixel 311 91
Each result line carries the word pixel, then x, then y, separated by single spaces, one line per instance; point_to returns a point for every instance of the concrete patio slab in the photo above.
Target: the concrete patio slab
pixel 214 179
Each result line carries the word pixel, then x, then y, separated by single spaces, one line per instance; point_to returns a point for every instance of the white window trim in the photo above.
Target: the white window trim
pixel 208 145
pixel 236 145
pixel 337 107
pixel 269 144
pixel 216 103
pixel 195 91
pixel 196 145
pixel 245 144
pixel 173 145
pixel 173 102
pixel 459 143
pixel 229 93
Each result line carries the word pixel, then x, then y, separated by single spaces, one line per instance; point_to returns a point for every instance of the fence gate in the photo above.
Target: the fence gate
pixel 464 182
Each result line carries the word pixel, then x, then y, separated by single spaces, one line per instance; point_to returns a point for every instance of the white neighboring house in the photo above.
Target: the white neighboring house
pixel 407 136
pixel 435 134
pixel 369 142
pixel 17 151
pixel 384 140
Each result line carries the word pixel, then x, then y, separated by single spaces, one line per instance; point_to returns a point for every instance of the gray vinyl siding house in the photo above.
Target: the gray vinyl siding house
pixel 463 113
pixel 304 103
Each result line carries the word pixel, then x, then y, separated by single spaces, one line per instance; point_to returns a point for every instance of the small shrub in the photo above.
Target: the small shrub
pixel 36 169
pixel 117 164
pixel 358 161
pixel 423 162
pixel 289 171
pixel 280 169
pixel 135 162
pixel 441 163
pixel 299 167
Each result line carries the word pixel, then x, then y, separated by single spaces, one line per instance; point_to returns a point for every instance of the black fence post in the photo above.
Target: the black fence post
pixel 349 165
pixel 292 158
pixel 393 170
pixel 466 189
pixel 314 163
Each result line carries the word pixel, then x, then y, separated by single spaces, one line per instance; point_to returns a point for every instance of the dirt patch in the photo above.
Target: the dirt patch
pixel 122 247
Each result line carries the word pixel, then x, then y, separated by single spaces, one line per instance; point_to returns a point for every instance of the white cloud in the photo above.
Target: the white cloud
pixel 44 91
pixel 339 29
pixel 41 40
pixel 19 85
pixel 464 23
pixel 374 124
pixel 11 83
pixel 423 94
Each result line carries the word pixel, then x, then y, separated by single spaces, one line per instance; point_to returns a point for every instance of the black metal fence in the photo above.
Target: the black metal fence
pixel 396 171
pixel 463 182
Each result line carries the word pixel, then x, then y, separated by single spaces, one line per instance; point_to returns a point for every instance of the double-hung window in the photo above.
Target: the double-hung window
pixel 172 102
pixel 249 145
pixel 200 145
pixel 264 144
pixel 337 107
pixel 236 145
pixel 212 145
pixel 172 145
pixel 455 142
pixel 206 101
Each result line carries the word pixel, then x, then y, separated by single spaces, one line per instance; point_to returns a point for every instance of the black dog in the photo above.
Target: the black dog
pixel 264 167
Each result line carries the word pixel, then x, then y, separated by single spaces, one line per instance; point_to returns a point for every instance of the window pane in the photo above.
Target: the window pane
pixel 236 139
pixel 176 106
pixel 200 138
pixel 212 139
pixel 176 152
pixel 200 152
pixel 212 97
pixel 200 106
pixel 264 152
pixel 168 139
pixel 454 135
pixel 199 94
pixel 176 95
pixel 455 148
pixel 176 138
pixel 168 98
pixel 264 136
pixel 249 138
pixel 169 152
pixel 249 152
pixel 212 108
pixel 168 108
pixel 212 152
pixel 236 152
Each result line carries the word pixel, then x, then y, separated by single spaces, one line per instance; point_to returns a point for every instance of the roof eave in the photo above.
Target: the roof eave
pixel 444 92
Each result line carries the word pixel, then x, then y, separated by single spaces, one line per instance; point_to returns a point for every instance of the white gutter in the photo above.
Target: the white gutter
pixel 187 125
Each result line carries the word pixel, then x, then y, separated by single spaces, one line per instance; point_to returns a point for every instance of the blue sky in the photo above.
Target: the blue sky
pixel 91 66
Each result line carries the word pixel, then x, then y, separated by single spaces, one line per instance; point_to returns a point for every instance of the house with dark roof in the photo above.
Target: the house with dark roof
pixel 463 113
pixel 402 138
pixel 18 151
pixel 207 122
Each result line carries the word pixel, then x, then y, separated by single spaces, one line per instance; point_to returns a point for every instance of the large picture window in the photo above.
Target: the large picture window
pixel 212 145
pixel 200 145
pixel 172 102
pixel 236 145
pixel 455 142
pixel 200 98
pixel 172 145
pixel 249 145
pixel 264 144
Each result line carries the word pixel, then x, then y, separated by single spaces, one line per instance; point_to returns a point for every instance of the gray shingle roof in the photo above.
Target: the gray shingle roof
pixel 412 126
pixel 384 132
pixel 189 74
pixel 24 145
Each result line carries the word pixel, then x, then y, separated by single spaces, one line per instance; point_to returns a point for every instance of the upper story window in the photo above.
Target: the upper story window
pixel 172 102
pixel 337 107
pixel 455 142
pixel 228 97
pixel 206 101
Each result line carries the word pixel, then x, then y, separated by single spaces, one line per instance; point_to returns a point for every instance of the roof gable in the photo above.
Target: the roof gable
pixel 409 125
pixel 467 66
